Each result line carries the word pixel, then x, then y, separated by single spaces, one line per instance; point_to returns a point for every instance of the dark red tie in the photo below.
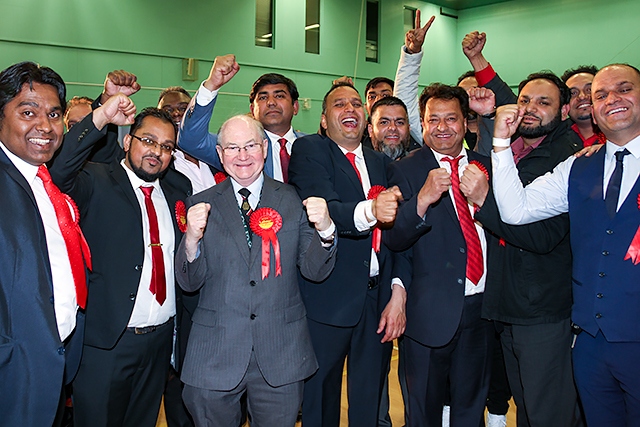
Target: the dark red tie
pixel 352 159
pixel 284 159
pixel 77 246
pixel 158 285
pixel 474 250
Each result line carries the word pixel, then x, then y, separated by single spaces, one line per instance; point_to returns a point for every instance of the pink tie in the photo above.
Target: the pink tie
pixel 158 285
pixel 474 250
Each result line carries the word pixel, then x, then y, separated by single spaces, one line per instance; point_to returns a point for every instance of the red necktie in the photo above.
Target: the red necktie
pixel 352 159
pixel 469 231
pixel 158 285
pixel 77 247
pixel 284 159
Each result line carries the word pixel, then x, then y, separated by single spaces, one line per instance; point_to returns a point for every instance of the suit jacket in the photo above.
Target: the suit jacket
pixel 239 312
pixel 195 139
pixel 111 220
pixel 32 357
pixel 319 168
pixel 435 297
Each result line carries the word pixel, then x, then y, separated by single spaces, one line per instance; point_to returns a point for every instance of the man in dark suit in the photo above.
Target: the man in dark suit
pixel 446 340
pixel 40 290
pixel 130 215
pixel 249 332
pixel 351 308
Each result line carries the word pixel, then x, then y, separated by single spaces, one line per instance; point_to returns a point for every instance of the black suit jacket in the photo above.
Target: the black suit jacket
pixel 319 168
pixel 111 220
pixel 436 248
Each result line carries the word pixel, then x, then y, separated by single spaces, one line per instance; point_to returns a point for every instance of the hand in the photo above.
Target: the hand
pixel 119 81
pixel 118 110
pixel 223 70
pixel 438 181
pixel 473 43
pixel 508 118
pixel 589 151
pixel 385 206
pixel 414 39
pixel 318 212
pixel 393 319
pixel 343 79
pixel 482 100
pixel 197 216
pixel 474 185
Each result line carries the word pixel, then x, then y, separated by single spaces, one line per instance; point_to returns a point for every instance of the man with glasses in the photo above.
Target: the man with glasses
pixel 250 331
pixel 132 212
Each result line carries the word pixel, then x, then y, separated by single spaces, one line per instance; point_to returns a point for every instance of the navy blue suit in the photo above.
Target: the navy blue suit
pixel 33 360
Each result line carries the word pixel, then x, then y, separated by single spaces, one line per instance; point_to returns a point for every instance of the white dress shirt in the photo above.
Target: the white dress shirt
pixel 146 309
pixel 469 287
pixel 547 196
pixel 290 136
pixel 64 290
pixel 200 175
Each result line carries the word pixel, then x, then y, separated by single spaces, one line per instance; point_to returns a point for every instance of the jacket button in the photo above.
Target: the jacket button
pixel 599 295
pixel 609 231
pixel 252 283
pixel 253 316
pixel 598 315
pixel 138 267
pixel 602 274
pixel 60 351
pixel 460 281
pixel 132 296
pixel 461 250
pixel 366 263
pixel 605 253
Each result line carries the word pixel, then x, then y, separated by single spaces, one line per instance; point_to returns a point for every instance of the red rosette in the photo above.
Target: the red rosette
pixel 633 253
pixel 376 239
pixel 219 177
pixel 181 216
pixel 266 222
pixel 481 167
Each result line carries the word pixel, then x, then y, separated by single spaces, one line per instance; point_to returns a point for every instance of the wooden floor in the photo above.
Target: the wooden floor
pixel 396 411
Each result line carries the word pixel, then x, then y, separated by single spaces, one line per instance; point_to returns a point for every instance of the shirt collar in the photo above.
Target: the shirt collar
pixel 27 170
pixel 136 181
pixel 255 187
pixel 440 156
pixel 357 151
pixel 633 146
pixel 289 136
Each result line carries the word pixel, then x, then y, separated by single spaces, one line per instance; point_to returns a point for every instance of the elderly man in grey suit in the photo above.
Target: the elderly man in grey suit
pixel 246 239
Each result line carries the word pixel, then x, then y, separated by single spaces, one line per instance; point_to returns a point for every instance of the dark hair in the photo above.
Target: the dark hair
pixel 375 82
pixel 334 87
pixel 466 75
pixel 388 101
pixel 565 92
pixel 77 100
pixel 587 69
pixel 153 112
pixel 170 89
pixel 442 91
pixel 273 79
pixel 12 80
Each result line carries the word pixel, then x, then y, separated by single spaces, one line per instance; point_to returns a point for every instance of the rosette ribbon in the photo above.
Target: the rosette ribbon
pixel 181 216
pixel 266 222
pixel 376 239
pixel 633 253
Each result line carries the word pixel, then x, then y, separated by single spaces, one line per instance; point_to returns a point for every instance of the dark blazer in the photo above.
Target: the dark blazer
pixel 239 312
pixel 32 357
pixel 319 168
pixel 435 297
pixel 110 218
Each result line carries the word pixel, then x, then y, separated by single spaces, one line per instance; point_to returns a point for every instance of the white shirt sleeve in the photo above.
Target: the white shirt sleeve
pixel 204 96
pixel 406 88
pixel 363 211
pixel 545 197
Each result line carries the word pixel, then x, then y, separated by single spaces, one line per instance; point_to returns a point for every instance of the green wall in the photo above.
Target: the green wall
pixel 84 39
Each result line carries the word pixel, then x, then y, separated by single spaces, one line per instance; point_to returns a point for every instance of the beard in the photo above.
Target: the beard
pixel 143 174
pixel 540 130
pixel 392 151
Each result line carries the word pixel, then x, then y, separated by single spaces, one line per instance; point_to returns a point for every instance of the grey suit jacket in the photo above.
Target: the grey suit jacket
pixel 238 311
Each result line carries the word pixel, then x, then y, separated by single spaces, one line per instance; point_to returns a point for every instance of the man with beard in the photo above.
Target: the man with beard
pixel 579 82
pixel 389 127
pixel 131 213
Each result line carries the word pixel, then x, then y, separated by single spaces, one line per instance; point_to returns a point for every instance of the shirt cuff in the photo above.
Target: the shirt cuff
pixel 502 142
pixel 329 233
pixel 502 159
pixel 205 96
pixel 485 75
pixel 413 56
pixel 397 281
pixel 363 211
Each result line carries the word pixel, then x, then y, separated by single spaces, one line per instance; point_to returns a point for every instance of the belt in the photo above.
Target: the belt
pixel 141 330
pixel 373 282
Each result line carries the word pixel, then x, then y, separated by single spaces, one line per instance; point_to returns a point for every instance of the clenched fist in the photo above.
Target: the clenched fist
pixel 318 212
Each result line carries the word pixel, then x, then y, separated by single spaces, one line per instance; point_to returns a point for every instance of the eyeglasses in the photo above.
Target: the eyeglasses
pixel 250 148
pixel 150 143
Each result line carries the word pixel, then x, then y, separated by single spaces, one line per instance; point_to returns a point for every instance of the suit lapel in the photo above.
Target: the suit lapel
pixel 432 163
pixel 268 164
pixel 120 177
pixel 375 168
pixel 14 173
pixel 228 207
pixel 345 166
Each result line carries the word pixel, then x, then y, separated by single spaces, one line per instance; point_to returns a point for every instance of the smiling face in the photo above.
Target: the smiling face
pixel 389 130
pixel 540 101
pixel 580 104
pixel 32 126
pixel 150 162
pixel 344 118
pixel 616 103
pixel 175 103
pixel 444 126
pixel 274 108
pixel 245 165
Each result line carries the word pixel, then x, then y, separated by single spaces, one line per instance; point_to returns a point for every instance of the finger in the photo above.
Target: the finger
pixel 428 24
pixel 417 22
